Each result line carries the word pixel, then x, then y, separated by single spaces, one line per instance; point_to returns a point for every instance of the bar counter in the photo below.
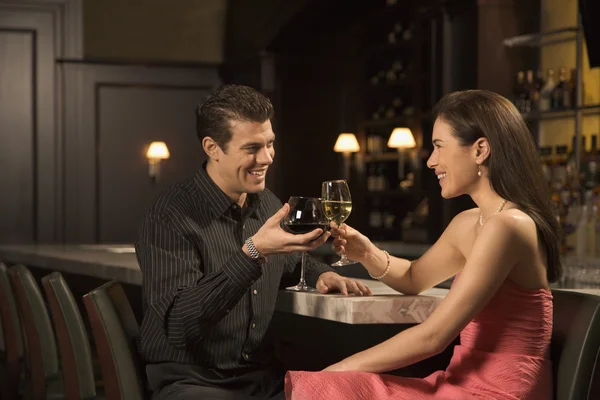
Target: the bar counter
pixel 118 262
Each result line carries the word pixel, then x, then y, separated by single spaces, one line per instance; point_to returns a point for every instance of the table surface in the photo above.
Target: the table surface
pixel 118 262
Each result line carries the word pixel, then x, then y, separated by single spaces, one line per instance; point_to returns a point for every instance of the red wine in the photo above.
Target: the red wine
pixel 304 228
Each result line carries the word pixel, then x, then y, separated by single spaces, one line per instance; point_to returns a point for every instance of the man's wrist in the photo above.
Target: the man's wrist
pixel 252 252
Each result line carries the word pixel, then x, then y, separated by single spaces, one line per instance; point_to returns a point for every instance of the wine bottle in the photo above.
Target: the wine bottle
pixel 519 91
pixel 560 91
pixel 547 89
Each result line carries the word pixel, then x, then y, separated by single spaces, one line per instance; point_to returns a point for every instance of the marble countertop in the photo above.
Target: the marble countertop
pixel 118 262
pixel 107 262
pixel 385 306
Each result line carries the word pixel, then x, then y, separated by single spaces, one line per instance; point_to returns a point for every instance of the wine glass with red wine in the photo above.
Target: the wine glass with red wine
pixel 306 214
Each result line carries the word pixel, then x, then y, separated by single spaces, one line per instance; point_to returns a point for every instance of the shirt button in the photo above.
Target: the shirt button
pixel 253 326
pixel 246 356
pixel 255 291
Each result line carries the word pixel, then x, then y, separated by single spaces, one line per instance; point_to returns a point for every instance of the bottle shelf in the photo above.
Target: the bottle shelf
pixel 395 192
pixel 543 38
pixel 386 122
pixel 404 83
pixel 392 47
pixel 389 156
pixel 588 110
pixel 389 12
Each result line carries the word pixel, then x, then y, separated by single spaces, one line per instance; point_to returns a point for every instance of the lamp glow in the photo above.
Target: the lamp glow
pixel 402 138
pixel 346 143
pixel 156 152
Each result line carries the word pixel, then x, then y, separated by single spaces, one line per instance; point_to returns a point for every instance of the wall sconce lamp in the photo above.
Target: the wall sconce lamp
pixel 157 151
pixel 401 139
pixel 346 144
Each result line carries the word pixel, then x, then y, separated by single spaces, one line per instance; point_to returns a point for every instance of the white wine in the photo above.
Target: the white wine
pixel 337 211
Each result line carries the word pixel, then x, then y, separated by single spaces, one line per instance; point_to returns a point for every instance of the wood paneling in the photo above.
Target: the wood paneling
pixel 36 102
pixel 112 113
pixel 33 34
pixel 17 136
pixel 67 20
pixel 130 117
pixel 175 31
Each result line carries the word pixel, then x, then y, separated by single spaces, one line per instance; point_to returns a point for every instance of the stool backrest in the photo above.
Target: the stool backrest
pixel 575 345
pixel 115 330
pixel 41 355
pixel 71 335
pixel 12 334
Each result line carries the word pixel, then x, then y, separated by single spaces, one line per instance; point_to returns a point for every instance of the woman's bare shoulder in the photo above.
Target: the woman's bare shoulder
pixel 515 226
pixel 464 218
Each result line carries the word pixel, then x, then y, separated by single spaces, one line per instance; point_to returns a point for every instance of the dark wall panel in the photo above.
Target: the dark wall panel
pixel 129 118
pixel 112 113
pixel 17 134
pixel 37 101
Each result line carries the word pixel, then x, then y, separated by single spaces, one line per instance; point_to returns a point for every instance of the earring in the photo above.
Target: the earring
pixel 479 172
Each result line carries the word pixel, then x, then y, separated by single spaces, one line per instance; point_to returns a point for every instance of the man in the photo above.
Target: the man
pixel 212 254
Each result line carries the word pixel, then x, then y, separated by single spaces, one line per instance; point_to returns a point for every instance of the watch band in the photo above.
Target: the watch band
pixel 254 254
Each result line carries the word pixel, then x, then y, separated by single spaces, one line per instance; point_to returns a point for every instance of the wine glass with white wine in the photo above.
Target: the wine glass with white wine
pixel 337 204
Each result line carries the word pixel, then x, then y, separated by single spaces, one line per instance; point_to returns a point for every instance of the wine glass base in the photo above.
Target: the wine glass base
pixel 343 262
pixel 301 288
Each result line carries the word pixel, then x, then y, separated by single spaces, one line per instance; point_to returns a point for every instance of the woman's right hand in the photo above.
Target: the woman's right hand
pixel 347 239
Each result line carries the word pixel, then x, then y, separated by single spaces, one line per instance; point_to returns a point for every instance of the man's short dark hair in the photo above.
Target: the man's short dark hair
pixel 230 103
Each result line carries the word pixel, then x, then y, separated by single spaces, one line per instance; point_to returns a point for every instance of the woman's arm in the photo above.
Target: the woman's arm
pixel 440 262
pixel 493 255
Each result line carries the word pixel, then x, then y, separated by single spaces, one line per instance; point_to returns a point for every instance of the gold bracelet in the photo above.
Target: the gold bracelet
pixel 387 267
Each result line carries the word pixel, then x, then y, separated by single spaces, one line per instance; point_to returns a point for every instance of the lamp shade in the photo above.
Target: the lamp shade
pixel 158 150
pixel 401 138
pixel 346 143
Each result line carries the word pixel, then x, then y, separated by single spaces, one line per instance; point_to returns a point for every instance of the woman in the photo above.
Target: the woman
pixel 504 254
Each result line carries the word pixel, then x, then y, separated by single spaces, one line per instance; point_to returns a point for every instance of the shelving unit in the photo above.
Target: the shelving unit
pixel 543 38
pixel 385 122
pixel 563 35
pixel 591 109
pixel 390 193
pixel 387 156
pixel 384 85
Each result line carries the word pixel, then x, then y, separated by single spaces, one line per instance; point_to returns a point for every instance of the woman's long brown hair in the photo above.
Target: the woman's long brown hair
pixel 514 167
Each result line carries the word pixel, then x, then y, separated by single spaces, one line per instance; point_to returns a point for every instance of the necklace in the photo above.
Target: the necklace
pixel 497 211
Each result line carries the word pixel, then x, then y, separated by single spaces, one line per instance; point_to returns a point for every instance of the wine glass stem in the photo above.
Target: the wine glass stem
pixel 343 257
pixel 302 280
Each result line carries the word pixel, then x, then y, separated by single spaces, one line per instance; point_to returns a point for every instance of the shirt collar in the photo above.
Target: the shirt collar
pixel 216 200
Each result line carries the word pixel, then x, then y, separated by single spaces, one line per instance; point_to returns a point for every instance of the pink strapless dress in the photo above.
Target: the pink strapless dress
pixel 504 354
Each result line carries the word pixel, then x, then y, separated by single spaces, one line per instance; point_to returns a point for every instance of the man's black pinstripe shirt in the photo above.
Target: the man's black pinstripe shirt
pixel 205 301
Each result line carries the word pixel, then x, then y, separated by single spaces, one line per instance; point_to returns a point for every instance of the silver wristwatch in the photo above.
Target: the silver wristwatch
pixel 254 254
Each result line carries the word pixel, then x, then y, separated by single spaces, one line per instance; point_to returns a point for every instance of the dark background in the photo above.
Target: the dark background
pixel 74 126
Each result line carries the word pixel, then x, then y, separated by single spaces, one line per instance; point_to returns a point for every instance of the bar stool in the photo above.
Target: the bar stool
pixel 115 329
pixel 575 345
pixel 11 327
pixel 43 377
pixel 73 343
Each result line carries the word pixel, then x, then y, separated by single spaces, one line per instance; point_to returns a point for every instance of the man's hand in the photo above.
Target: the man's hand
pixel 331 282
pixel 271 239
